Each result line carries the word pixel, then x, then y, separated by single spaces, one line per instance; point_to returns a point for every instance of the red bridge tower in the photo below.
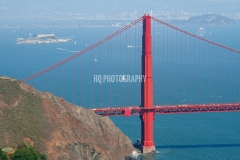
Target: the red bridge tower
pixel 147 89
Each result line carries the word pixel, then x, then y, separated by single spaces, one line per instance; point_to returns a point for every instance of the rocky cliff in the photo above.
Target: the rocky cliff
pixel 57 128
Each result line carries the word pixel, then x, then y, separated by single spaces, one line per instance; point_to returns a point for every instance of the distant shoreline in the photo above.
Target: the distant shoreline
pixel 94 26
pixel 206 20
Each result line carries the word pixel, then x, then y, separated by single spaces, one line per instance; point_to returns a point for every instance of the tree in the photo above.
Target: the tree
pixel 3 155
pixel 28 153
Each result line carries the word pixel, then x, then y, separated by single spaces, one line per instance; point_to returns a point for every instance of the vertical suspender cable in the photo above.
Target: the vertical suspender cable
pixel 154 54
pixel 208 71
pixel 234 76
pixel 167 73
pixel 213 74
pixel 199 72
pixel 121 65
pixel 81 80
pixel 99 88
pixel 204 71
pixel 117 68
pixel 159 78
pixel 140 31
pixel 163 53
pixel 194 71
pixel 181 62
pixel 45 85
pixel 126 71
pixel 172 86
pixel 90 81
pixel 185 56
pixel 176 66
pixel 231 79
pixel 128 65
pixel 108 73
pixel 238 77
pixel 72 79
pixel 54 82
pixel 202 99
pixel 192 65
pixel 135 64
pixel 111 68
pixel 227 82
pixel 221 75
pixel 101 72
pixel 62 81
pixel 217 77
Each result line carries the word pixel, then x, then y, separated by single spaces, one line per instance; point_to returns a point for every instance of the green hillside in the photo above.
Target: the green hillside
pixel 21 115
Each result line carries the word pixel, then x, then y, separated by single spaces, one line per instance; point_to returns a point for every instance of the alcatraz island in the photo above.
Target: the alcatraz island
pixel 43 38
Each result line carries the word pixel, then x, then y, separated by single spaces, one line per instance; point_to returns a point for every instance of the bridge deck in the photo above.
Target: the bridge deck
pixel 170 109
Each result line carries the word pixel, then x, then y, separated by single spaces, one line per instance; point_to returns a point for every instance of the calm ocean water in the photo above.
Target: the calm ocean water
pixel 184 136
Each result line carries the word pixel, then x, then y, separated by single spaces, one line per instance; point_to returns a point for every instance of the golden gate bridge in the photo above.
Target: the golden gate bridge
pixel 184 73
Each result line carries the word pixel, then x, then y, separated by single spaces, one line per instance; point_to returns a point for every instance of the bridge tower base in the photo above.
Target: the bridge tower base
pixel 148 149
pixel 147 117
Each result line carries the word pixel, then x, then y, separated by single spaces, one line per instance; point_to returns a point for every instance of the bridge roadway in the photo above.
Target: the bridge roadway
pixel 168 109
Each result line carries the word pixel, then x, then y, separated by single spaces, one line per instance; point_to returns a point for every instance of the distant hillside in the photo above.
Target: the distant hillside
pixel 207 19
pixel 55 127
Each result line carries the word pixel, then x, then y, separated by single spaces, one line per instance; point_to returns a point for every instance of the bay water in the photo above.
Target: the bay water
pixel 178 136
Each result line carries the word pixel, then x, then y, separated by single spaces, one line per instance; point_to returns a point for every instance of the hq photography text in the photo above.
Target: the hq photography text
pixel 119 78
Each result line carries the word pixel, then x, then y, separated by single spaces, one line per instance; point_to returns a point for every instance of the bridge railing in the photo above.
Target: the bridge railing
pixel 171 109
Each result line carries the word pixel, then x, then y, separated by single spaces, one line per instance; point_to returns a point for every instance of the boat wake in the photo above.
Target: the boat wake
pixel 128 46
pixel 62 49
pixel 73 51
pixel 67 50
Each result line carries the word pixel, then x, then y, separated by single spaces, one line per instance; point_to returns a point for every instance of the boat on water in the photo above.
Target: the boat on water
pixel 201 31
pixel 128 46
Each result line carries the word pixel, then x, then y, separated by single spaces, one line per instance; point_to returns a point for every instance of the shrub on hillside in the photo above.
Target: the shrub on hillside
pixel 28 153
pixel 3 155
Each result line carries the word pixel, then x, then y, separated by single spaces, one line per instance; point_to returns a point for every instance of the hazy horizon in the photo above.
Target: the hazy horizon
pixel 28 10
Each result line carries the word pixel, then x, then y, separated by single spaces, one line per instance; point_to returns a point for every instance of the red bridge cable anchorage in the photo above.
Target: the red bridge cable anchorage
pixel 193 35
pixel 83 51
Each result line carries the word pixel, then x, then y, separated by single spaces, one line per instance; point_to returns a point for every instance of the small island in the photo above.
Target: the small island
pixel 43 38
pixel 206 19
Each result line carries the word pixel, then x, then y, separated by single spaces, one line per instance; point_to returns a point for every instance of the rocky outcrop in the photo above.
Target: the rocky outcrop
pixel 58 128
